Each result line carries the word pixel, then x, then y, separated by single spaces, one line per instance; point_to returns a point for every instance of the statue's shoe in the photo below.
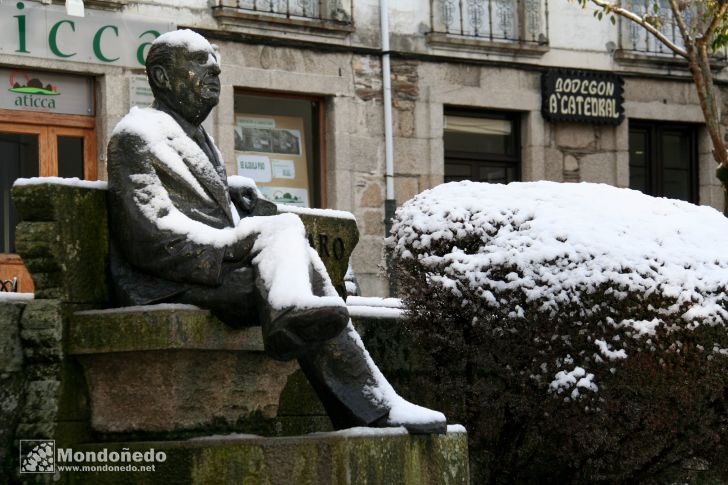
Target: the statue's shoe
pixel 294 332
pixel 415 419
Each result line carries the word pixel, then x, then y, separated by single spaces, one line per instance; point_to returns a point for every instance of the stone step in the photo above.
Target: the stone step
pixel 356 456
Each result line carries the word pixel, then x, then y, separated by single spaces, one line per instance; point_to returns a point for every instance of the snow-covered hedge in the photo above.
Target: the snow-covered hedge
pixel 583 324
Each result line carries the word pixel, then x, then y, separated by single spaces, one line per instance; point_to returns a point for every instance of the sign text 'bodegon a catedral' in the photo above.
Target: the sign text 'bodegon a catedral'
pixel 582 97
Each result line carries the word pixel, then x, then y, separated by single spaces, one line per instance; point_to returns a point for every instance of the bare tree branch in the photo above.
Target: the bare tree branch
pixel 681 24
pixel 623 12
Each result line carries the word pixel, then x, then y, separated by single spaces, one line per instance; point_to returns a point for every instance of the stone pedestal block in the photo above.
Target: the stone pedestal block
pixel 174 368
pixel 63 239
pixel 334 235
pixel 353 457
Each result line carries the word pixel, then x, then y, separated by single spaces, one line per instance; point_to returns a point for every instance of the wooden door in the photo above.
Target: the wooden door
pixel 38 144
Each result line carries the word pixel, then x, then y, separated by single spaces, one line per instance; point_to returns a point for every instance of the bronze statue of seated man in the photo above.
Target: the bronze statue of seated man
pixel 181 234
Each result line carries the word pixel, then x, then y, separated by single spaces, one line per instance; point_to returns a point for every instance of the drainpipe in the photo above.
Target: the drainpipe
pixel 389 203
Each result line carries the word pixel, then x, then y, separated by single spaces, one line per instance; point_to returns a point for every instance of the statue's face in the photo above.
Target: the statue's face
pixel 195 84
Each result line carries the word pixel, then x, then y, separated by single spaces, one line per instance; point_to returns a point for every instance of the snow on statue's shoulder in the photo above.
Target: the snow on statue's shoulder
pixel 166 139
pixel 148 123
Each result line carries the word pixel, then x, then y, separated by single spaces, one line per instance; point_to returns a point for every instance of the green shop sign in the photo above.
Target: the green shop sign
pixel 47 92
pixel 45 31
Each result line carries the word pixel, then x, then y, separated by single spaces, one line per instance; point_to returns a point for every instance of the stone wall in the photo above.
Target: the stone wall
pixel 12 379
pixel 582 153
pixel 42 394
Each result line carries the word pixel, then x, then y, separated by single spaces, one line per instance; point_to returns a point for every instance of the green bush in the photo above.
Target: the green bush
pixel 582 325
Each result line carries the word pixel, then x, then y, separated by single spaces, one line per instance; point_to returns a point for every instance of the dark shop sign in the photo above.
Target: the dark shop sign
pixel 575 96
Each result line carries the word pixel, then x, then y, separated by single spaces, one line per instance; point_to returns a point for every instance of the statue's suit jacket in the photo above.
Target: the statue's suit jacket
pixel 155 167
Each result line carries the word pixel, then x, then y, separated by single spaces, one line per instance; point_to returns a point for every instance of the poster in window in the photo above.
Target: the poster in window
pixel 271 150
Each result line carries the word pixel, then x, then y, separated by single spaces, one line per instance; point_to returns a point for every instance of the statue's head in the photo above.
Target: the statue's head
pixel 183 72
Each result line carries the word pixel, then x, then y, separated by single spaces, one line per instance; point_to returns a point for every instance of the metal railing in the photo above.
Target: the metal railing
pixel 513 20
pixel 324 10
pixel 637 39
pixel 9 285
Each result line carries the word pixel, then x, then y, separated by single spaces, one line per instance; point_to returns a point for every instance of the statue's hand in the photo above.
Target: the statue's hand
pixel 240 250
pixel 244 198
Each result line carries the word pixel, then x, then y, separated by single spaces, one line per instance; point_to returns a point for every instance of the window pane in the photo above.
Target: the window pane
pixel 18 158
pixel 638 159
pixel 277 145
pixel 478 126
pixel 474 143
pixel 455 172
pixel 495 174
pixel 676 150
pixel 481 148
pixel 70 156
pixel 479 134
pixel 676 184
pixel 661 160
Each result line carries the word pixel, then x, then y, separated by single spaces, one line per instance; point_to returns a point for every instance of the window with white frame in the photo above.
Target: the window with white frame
pixel 495 20
pixel 327 14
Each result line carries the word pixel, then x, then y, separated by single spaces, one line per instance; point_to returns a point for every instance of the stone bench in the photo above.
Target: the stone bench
pixel 193 373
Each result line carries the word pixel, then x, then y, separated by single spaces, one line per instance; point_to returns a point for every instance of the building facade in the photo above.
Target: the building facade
pixel 491 90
